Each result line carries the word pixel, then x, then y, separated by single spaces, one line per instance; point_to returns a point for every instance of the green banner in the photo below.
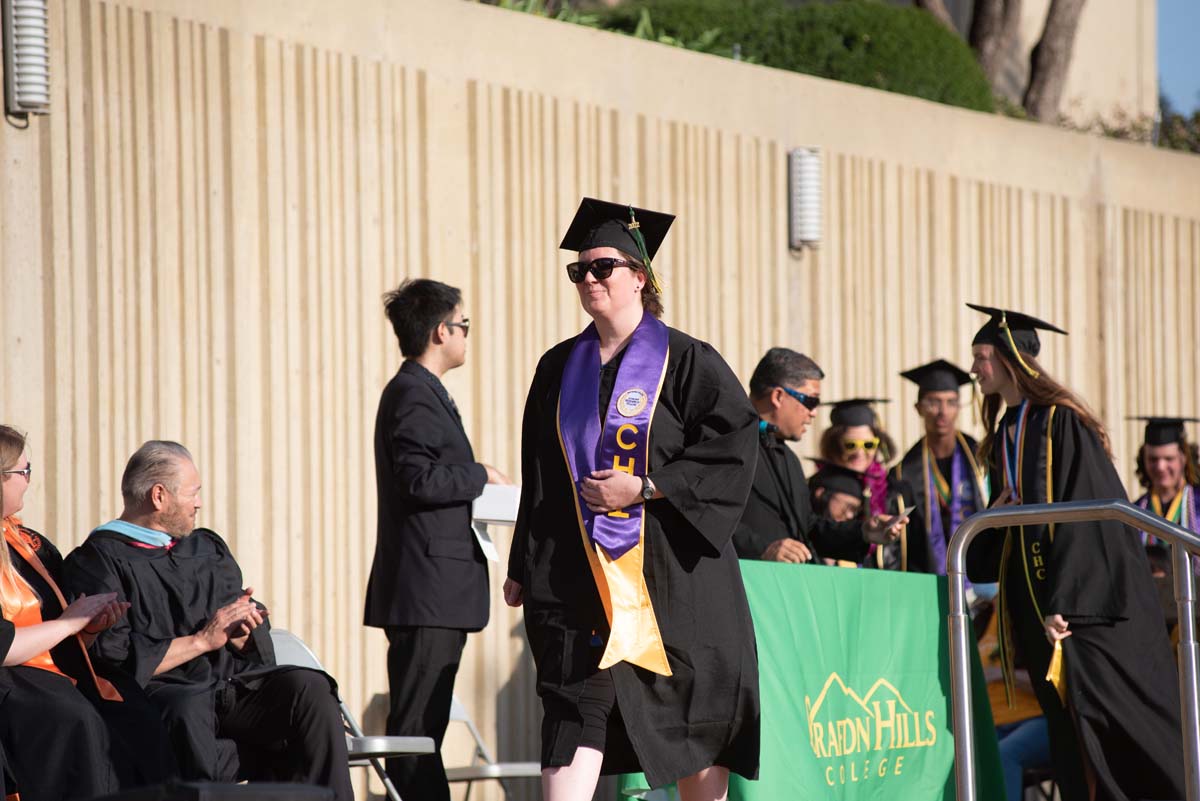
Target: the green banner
pixel 855 680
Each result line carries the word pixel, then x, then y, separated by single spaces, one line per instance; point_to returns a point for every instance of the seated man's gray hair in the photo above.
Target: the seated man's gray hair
pixel 156 462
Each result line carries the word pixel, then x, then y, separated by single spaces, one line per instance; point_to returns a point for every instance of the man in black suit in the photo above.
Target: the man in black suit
pixel 429 580
pixel 778 523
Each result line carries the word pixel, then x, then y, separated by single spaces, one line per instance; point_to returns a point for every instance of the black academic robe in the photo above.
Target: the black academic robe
pixel 173 593
pixel 701 459
pixel 1122 691
pixel 780 507
pixel 911 469
pixel 66 741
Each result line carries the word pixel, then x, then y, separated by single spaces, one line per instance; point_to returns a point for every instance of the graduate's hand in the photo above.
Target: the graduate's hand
pixel 1006 498
pixel 882 529
pixel 1056 628
pixel 787 550
pixel 107 618
pixel 85 608
pixel 494 476
pixel 609 490
pixel 233 621
pixel 514 594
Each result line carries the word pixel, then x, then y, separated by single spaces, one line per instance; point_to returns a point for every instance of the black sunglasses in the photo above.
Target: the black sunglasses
pixel 601 268
pixel 809 402
pixel 465 325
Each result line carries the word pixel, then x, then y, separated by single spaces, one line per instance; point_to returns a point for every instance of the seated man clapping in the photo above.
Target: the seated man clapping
pixel 198 642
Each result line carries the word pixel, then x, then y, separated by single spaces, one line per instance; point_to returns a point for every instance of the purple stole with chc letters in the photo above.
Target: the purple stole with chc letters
pixel 614 542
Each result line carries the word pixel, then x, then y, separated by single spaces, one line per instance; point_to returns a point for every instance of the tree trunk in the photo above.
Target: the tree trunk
pixel 993 31
pixel 1050 59
pixel 939 11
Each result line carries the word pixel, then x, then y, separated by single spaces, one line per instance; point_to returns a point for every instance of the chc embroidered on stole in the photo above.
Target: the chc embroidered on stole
pixel 615 542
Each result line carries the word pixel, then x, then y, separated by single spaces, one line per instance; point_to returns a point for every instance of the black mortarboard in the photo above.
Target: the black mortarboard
pixel 835 478
pixel 1164 430
pixel 1021 330
pixel 937 376
pixel 638 232
pixel 854 411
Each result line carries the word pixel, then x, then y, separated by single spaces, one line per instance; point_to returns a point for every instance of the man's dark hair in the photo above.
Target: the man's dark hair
pixel 415 309
pixel 782 367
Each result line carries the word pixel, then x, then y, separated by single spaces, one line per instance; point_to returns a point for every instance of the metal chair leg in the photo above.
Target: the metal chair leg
pixel 392 793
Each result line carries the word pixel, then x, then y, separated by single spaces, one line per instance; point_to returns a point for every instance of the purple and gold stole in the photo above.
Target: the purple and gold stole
pixel 614 542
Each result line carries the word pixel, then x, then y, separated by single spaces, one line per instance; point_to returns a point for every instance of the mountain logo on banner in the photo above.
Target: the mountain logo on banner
pixel 857 736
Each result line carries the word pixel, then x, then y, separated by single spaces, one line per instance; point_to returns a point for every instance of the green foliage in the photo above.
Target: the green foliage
pixel 705 42
pixel 564 12
pixel 1178 131
pixel 868 42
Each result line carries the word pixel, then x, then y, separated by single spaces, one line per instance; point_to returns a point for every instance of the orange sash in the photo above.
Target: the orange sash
pixel 22 607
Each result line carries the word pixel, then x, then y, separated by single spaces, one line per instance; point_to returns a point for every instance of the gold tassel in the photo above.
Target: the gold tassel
pixel 1013 345
pixel 1055 673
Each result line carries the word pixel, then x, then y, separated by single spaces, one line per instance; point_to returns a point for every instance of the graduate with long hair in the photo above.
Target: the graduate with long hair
pixel 1077 602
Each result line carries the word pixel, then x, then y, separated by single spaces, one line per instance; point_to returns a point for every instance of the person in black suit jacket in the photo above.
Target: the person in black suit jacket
pixel 429 579
pixel 779 524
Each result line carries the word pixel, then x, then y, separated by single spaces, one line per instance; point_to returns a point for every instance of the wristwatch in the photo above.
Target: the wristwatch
pixel 647 488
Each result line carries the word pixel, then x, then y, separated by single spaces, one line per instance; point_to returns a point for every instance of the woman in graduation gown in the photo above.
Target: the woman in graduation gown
pixel 1077 602
pixel 65 731
pixel 634 605
pixel 856 441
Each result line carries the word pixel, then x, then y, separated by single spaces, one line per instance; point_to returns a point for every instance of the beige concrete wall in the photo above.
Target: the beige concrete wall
pixel 194 243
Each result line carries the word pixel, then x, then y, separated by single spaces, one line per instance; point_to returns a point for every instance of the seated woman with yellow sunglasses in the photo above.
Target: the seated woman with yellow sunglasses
pixel 856 440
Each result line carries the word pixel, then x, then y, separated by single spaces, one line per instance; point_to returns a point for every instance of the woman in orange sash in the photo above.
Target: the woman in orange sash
pixel 66 732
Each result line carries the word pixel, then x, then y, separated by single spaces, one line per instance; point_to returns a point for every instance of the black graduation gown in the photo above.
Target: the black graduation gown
pixel 911 470
pixel 701 459
pixel 1122 706
pixel 780 507
pixel 138 746
pixel 173 593
pixel 64 740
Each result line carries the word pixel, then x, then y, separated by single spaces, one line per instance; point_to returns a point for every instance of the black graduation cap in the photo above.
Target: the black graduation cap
pixel 638 232
pixel 835 478
pixel 937 376
pixel 1164 430
pixel 1021 330
pixel 854 411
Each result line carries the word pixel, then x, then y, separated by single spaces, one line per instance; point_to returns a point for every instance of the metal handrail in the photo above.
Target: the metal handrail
pixel 1181 541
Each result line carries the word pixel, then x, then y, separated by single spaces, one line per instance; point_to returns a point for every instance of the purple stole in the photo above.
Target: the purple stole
pixel 937 537
pixel 1189 518
pixel 614 541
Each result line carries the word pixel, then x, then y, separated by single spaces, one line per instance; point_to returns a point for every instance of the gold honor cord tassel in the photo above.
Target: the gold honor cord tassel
pixel 1056 675
pixel 1013 345
pixel 633 636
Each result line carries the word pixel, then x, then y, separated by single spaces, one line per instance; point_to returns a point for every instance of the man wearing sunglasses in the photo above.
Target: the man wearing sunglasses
pixel 429 580
pixel 779 523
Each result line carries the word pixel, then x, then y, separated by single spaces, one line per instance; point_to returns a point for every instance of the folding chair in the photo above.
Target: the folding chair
pixel 364 750
pixel 483 764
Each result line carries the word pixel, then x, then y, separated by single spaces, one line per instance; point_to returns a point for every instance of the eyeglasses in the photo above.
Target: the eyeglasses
pixel 809 402
pixel 601 268
pixel 465 325
pixel 869 445
pixel 936 404
pixel 26 471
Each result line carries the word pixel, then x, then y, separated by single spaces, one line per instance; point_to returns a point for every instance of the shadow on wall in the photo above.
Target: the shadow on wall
pixel 519 709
